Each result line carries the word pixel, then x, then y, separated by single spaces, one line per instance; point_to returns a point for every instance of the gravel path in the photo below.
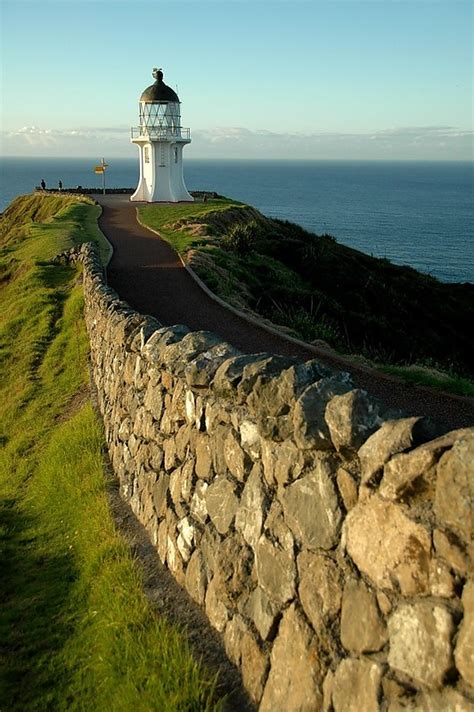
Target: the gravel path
pixel 148 274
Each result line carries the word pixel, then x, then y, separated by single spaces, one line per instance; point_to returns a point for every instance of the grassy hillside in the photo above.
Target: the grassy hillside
pixel 76 632
pixel 356 303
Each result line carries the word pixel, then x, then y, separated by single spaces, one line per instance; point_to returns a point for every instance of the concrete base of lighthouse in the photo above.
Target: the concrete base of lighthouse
pixel 161 171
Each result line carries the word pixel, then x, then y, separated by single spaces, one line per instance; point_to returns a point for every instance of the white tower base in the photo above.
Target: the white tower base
pixel 161 170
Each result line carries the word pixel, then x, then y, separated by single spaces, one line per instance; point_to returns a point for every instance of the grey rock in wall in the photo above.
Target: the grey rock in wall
pixel 329 545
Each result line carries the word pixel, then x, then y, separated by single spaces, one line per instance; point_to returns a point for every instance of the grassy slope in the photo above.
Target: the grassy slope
pixel 163 217
pixel 76 632
pixel 322 290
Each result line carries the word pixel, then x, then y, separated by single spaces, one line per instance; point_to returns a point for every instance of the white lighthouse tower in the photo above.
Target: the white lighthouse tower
pixel 160 139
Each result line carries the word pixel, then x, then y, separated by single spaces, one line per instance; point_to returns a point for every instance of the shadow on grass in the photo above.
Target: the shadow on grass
pixel 34 591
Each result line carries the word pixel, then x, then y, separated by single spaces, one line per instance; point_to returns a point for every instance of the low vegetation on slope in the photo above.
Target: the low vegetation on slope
pixel 76 632
pixel 356 303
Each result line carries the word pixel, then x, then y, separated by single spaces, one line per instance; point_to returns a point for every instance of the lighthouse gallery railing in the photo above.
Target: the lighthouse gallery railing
pixel 160 133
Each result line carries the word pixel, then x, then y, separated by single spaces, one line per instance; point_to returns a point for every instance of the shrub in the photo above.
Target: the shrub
pixel 240 238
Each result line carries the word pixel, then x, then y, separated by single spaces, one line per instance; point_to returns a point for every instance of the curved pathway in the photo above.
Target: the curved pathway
pixel 148 274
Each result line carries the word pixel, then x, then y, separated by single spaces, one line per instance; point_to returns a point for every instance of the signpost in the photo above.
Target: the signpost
pixel 100 169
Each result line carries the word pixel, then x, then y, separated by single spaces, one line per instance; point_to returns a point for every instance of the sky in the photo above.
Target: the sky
pixel 300 79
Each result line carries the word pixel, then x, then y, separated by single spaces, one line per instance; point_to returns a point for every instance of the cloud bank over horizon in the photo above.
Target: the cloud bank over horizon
pixel 416 143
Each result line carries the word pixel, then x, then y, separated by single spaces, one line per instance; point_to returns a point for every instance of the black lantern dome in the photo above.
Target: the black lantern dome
pixel 159 92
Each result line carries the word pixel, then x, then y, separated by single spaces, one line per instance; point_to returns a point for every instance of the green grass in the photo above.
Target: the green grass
pixel 76 631
pixel 431 377
pixel 319 289
pixel 162 217
pixel 56 223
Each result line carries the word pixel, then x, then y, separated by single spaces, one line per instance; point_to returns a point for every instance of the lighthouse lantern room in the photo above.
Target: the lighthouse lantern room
pixel 160 139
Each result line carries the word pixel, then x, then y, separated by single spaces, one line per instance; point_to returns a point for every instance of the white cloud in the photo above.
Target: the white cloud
pixel 425 142
pixel 410 142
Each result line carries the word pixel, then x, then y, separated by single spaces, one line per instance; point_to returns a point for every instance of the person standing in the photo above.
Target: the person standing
pixel 60 184
pixel 43 184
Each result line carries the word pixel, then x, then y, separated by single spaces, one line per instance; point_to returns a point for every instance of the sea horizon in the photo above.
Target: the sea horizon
pixel 412 212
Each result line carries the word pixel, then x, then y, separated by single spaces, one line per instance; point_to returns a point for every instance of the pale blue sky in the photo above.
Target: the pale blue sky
pixel 303 79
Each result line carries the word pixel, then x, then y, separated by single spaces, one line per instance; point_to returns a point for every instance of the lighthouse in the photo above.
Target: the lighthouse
pixel 160 139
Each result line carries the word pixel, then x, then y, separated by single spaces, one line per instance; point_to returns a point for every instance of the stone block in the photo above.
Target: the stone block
pixel 177 356
pixel 162 338
pixel 250 439
pixel 196 577
pixel 186 538
pixel 252 508
pixel 174 560
pixel 216 415
pixel 153 401
pixel 310 427
pixel 453 551
pixel 221 503
pixel 393 437
pixel 209 546
pixel 236 459
pixel 454 504
pixel 254 666
pixel 198 502
pixel 441 580
pixel 273 398
pixel 125 429
pixel 277 529
pixel 362 627
pixel 262 611
pixel 190 407
pixel 311 507
pixel 356 686
pixel 234 568
pixel 407 474
pixel 218 438
pixel 464 652
pixel 203 456
pixel 276 571
pixel 320 588
pixel 351 419
pixel 282 462
pixel 201 370
pixel 348 488
pixel 177 407
pixel 294 683
pixel 215 609
pixel 160 495
pixel 234 632
pixel 262 369
pixel 182 440
pixel 420 642
pixel 229 374
pixel 388 547
pixel 447 700
pixel 187 479
pixel 169 450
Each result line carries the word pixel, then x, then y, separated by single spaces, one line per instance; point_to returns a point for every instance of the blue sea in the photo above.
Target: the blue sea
pixel 413 213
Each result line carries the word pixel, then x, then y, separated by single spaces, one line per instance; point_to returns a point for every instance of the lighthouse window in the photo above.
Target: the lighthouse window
pixel 147 154
pixel 176 155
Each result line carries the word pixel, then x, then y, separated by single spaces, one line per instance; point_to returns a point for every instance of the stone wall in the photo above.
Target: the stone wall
pixel 329 542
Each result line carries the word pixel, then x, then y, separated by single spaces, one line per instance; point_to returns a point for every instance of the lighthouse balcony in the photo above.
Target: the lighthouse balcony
pixel 160 133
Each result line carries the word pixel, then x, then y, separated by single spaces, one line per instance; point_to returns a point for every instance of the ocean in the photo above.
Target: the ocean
pixel 413 213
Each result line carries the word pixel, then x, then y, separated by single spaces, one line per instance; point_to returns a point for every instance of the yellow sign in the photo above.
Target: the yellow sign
pixel 99 169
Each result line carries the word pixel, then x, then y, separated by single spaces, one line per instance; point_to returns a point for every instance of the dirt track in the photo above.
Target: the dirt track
pixel 148 274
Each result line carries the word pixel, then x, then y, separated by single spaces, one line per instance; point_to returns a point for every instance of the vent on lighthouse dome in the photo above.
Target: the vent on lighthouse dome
pixel 159 91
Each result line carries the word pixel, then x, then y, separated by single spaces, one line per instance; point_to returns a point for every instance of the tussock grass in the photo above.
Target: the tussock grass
pixel 163 217
pixel 320 290
pixel 76 632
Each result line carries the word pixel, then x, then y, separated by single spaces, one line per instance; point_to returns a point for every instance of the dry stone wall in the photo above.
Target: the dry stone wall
pixel 329 542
